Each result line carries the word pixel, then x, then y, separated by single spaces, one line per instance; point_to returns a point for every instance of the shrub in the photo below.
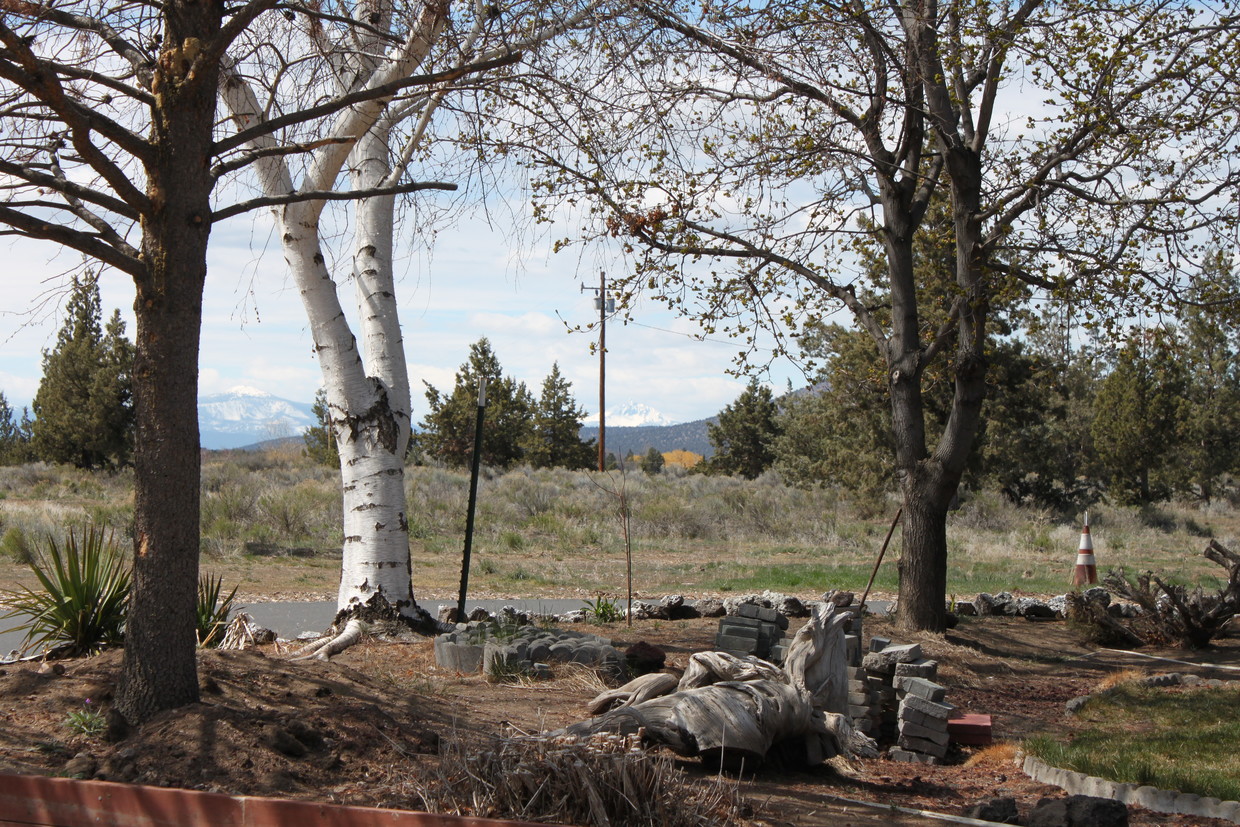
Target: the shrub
pixel 213 612
pixel 84 598
pixel 87 721
pixel 16 545
pixel 604 610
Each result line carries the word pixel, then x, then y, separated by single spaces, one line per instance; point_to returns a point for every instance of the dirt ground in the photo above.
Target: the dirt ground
pixel 367 727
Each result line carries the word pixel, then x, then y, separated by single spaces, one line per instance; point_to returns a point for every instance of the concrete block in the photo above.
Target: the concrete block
pixel 1188 804
pixel 740 626
pixel 748 610
pixel 459 657
pixel 923 745
pixel 500 657
pixel 917 669
pixel 728 643
pixel 907 756
pixel 1229 810
pixel 912 730
pixel 921 688
pixel 877 644
pixel 1152 798
pixel 973 729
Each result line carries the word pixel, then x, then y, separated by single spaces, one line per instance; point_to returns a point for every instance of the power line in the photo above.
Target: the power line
pixel 697 338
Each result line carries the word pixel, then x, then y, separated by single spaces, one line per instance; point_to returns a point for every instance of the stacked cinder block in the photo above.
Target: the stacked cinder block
pixel 880 668
pixel 753 630
pixel 893 698
pixel 923 718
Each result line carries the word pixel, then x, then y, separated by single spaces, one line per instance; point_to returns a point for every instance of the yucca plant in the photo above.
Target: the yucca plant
pixel 213 612
pixel 84 598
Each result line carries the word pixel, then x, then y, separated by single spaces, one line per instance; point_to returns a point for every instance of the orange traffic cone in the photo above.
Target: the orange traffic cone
pixel 1086 567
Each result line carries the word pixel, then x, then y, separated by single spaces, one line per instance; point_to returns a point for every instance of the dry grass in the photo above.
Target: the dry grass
pixel 994 755
pixel 271 522
pixel 1114 679
pixel 608 780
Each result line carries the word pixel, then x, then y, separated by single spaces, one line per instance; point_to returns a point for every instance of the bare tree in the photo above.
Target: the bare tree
pixel 370 156
pixel 111 147
pixel 1088 143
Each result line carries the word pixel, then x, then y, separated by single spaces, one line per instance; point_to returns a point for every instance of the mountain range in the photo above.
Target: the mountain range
pixel 242 416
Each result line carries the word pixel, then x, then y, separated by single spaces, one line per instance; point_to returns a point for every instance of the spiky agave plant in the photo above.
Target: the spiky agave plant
pixel 84 599
pixel 213 611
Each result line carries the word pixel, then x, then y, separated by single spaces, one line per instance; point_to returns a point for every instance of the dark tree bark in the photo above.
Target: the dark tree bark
pixel 160 670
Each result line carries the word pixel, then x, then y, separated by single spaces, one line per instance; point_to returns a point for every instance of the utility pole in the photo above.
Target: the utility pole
pixel 604 305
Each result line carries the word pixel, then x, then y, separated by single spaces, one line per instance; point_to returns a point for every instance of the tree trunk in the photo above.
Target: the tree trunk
pixel 923 559
pixel 375 555
pixel 159 669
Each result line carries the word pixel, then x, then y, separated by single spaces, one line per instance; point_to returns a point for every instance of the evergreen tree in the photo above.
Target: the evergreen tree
pixel 839 431
pixel 14 435
pixel 653 462
pixel 1209 450
pixel 554 439
pixel 319 439
pixel 1136 417
pixel 83 410
pixel 745 436
pixel 448 430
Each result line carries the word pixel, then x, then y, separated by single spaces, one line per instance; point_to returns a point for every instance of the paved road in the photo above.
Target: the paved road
pixel 290 619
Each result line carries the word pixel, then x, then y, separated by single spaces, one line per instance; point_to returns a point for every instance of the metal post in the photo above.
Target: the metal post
pixel 602 369
pixel 473 497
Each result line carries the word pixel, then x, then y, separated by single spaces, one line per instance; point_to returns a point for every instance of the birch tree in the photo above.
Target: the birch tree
pixel 370 155
pixel 1088 142
pixel 112 149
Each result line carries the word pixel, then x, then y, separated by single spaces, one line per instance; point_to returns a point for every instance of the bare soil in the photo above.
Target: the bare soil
pixel 367 728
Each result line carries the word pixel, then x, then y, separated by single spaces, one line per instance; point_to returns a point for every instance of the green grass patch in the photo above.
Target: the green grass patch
pixel 1141 735
pixel 799 577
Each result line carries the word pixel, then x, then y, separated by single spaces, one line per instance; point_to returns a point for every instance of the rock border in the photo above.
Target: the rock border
pixel 1151 798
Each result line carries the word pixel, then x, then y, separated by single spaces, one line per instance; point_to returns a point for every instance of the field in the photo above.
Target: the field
pixel 270 524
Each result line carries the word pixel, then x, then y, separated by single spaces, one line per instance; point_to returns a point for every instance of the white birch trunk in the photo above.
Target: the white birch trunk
pixel 368 392
pixel 369 408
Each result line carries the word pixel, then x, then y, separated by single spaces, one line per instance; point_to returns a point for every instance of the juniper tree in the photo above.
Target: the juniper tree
pixel 744 438
pixel 554 438
pixel 83 409
pixel 447 432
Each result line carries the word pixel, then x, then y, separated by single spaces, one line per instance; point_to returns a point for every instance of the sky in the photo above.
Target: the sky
pixel 478 281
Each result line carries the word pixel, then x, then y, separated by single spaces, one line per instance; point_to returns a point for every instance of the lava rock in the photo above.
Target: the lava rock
pixel 643 657
pixel 998 810
pixel 1078 811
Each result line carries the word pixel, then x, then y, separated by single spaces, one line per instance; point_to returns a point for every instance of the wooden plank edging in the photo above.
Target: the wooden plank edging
pixel 40 801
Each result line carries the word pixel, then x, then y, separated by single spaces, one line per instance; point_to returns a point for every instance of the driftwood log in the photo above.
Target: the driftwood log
pixel 635 691
pixel 738 712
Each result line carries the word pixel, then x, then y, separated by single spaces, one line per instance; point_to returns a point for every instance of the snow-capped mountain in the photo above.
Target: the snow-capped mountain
pixel 243 415
pixel 630 415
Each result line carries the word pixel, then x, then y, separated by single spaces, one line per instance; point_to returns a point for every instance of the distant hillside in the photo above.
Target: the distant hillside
pixel 688 436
